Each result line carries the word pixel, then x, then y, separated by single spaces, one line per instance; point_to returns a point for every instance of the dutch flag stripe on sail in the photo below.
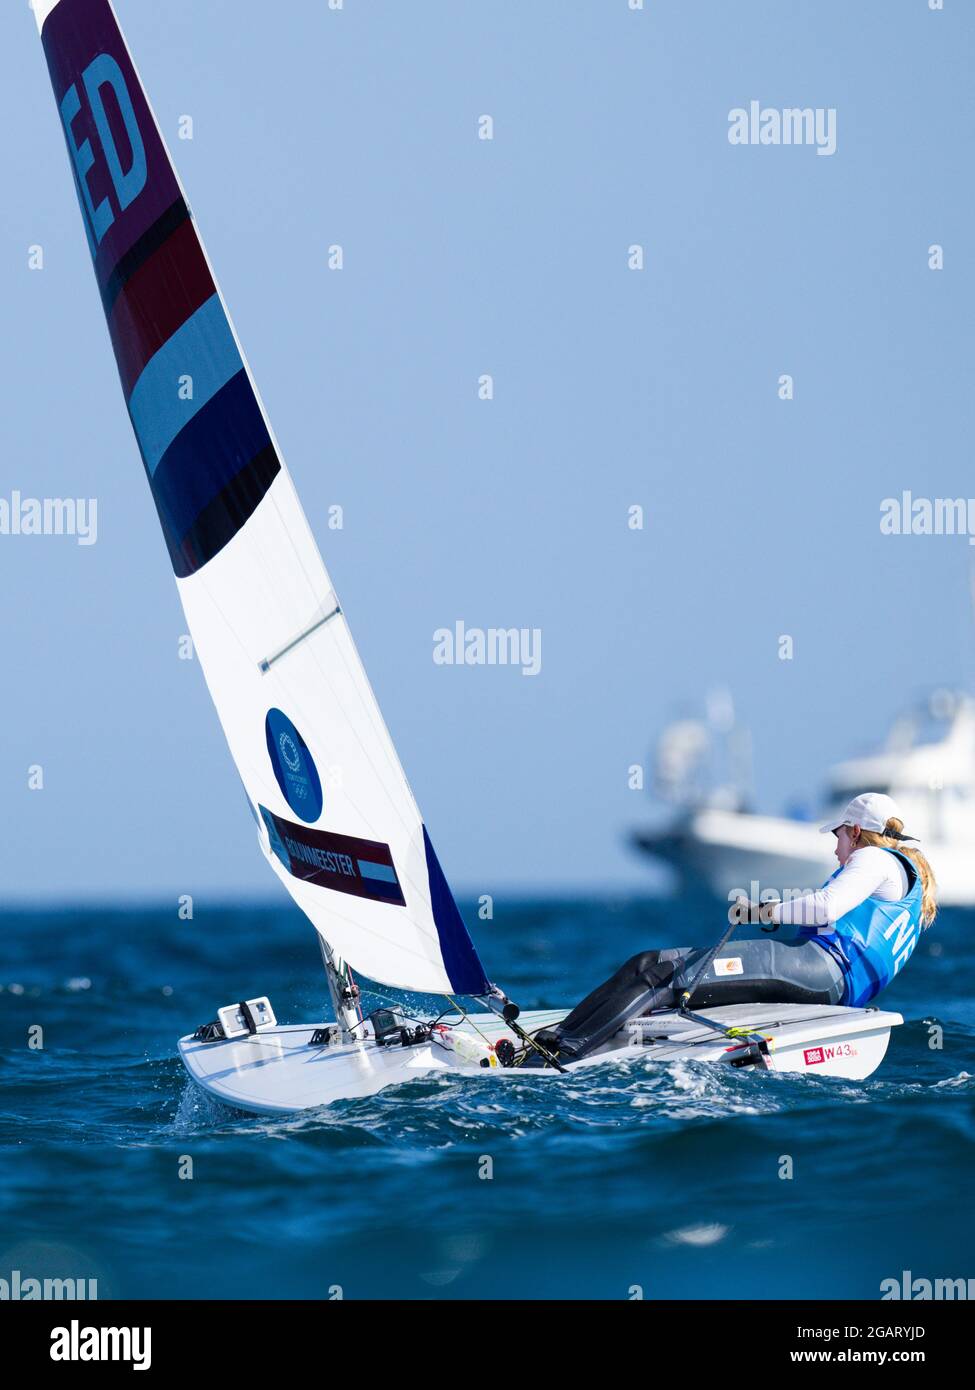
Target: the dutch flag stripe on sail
pixel 173 342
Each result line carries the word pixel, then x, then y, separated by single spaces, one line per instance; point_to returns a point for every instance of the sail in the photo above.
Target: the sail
pixel 336 818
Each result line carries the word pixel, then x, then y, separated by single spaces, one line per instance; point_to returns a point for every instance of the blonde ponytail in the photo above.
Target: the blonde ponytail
pixel 929 888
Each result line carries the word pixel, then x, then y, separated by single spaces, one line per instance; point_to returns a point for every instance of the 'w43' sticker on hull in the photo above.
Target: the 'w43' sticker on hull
pixel 363 868
pixel 813 1056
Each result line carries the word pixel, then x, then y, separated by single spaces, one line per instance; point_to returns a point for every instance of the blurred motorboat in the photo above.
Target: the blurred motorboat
pixel 713 840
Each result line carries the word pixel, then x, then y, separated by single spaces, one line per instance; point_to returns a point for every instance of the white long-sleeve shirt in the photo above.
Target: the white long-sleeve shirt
pixel 868 873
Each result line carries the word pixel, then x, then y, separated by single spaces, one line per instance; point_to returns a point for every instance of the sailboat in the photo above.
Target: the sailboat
pixel 289 688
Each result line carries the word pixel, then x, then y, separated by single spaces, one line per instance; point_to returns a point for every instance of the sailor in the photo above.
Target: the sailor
pixel 852 937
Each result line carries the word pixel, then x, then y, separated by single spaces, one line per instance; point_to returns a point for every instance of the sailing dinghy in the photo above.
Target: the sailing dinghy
pixel 335 816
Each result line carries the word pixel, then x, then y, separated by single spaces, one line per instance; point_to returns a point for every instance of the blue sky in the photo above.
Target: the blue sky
pixel 612 388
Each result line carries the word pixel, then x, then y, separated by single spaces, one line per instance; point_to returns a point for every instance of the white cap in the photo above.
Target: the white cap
pixel 870 811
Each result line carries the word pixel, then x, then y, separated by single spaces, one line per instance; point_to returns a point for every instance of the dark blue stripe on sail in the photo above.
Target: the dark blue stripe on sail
pixel 222 518
pixel 208 453
pixel 465 971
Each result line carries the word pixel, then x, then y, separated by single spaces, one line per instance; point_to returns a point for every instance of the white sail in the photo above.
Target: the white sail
pixel 336 818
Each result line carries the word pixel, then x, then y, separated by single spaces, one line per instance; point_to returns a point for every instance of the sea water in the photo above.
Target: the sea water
pixel 632 1180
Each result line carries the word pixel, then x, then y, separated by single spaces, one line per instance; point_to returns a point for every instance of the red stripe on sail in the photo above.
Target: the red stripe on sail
pixel 157 300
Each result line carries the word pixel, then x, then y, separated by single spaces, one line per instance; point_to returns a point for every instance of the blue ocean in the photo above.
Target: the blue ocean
pixel 664 1179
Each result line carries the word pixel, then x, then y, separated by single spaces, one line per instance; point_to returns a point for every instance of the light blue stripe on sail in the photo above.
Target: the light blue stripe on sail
pixel 370 870
pixel 197 361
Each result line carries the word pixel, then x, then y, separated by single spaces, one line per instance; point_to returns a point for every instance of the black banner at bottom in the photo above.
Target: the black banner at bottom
pixel 246 1339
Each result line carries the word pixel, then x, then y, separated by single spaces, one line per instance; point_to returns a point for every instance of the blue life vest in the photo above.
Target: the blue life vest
pixel 875 939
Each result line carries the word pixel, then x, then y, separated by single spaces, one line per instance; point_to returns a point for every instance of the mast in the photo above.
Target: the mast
pixel 343 992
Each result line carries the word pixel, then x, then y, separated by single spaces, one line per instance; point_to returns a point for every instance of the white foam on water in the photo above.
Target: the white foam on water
pixel 963 1079
pixel 699 1236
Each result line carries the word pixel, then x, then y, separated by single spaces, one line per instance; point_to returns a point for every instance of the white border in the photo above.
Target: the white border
pixel 42 8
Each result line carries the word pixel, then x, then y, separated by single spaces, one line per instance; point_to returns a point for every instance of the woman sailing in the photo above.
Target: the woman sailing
pixel 853 936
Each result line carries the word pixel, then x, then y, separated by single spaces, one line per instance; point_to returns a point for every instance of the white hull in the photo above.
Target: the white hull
pixel 277 1071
